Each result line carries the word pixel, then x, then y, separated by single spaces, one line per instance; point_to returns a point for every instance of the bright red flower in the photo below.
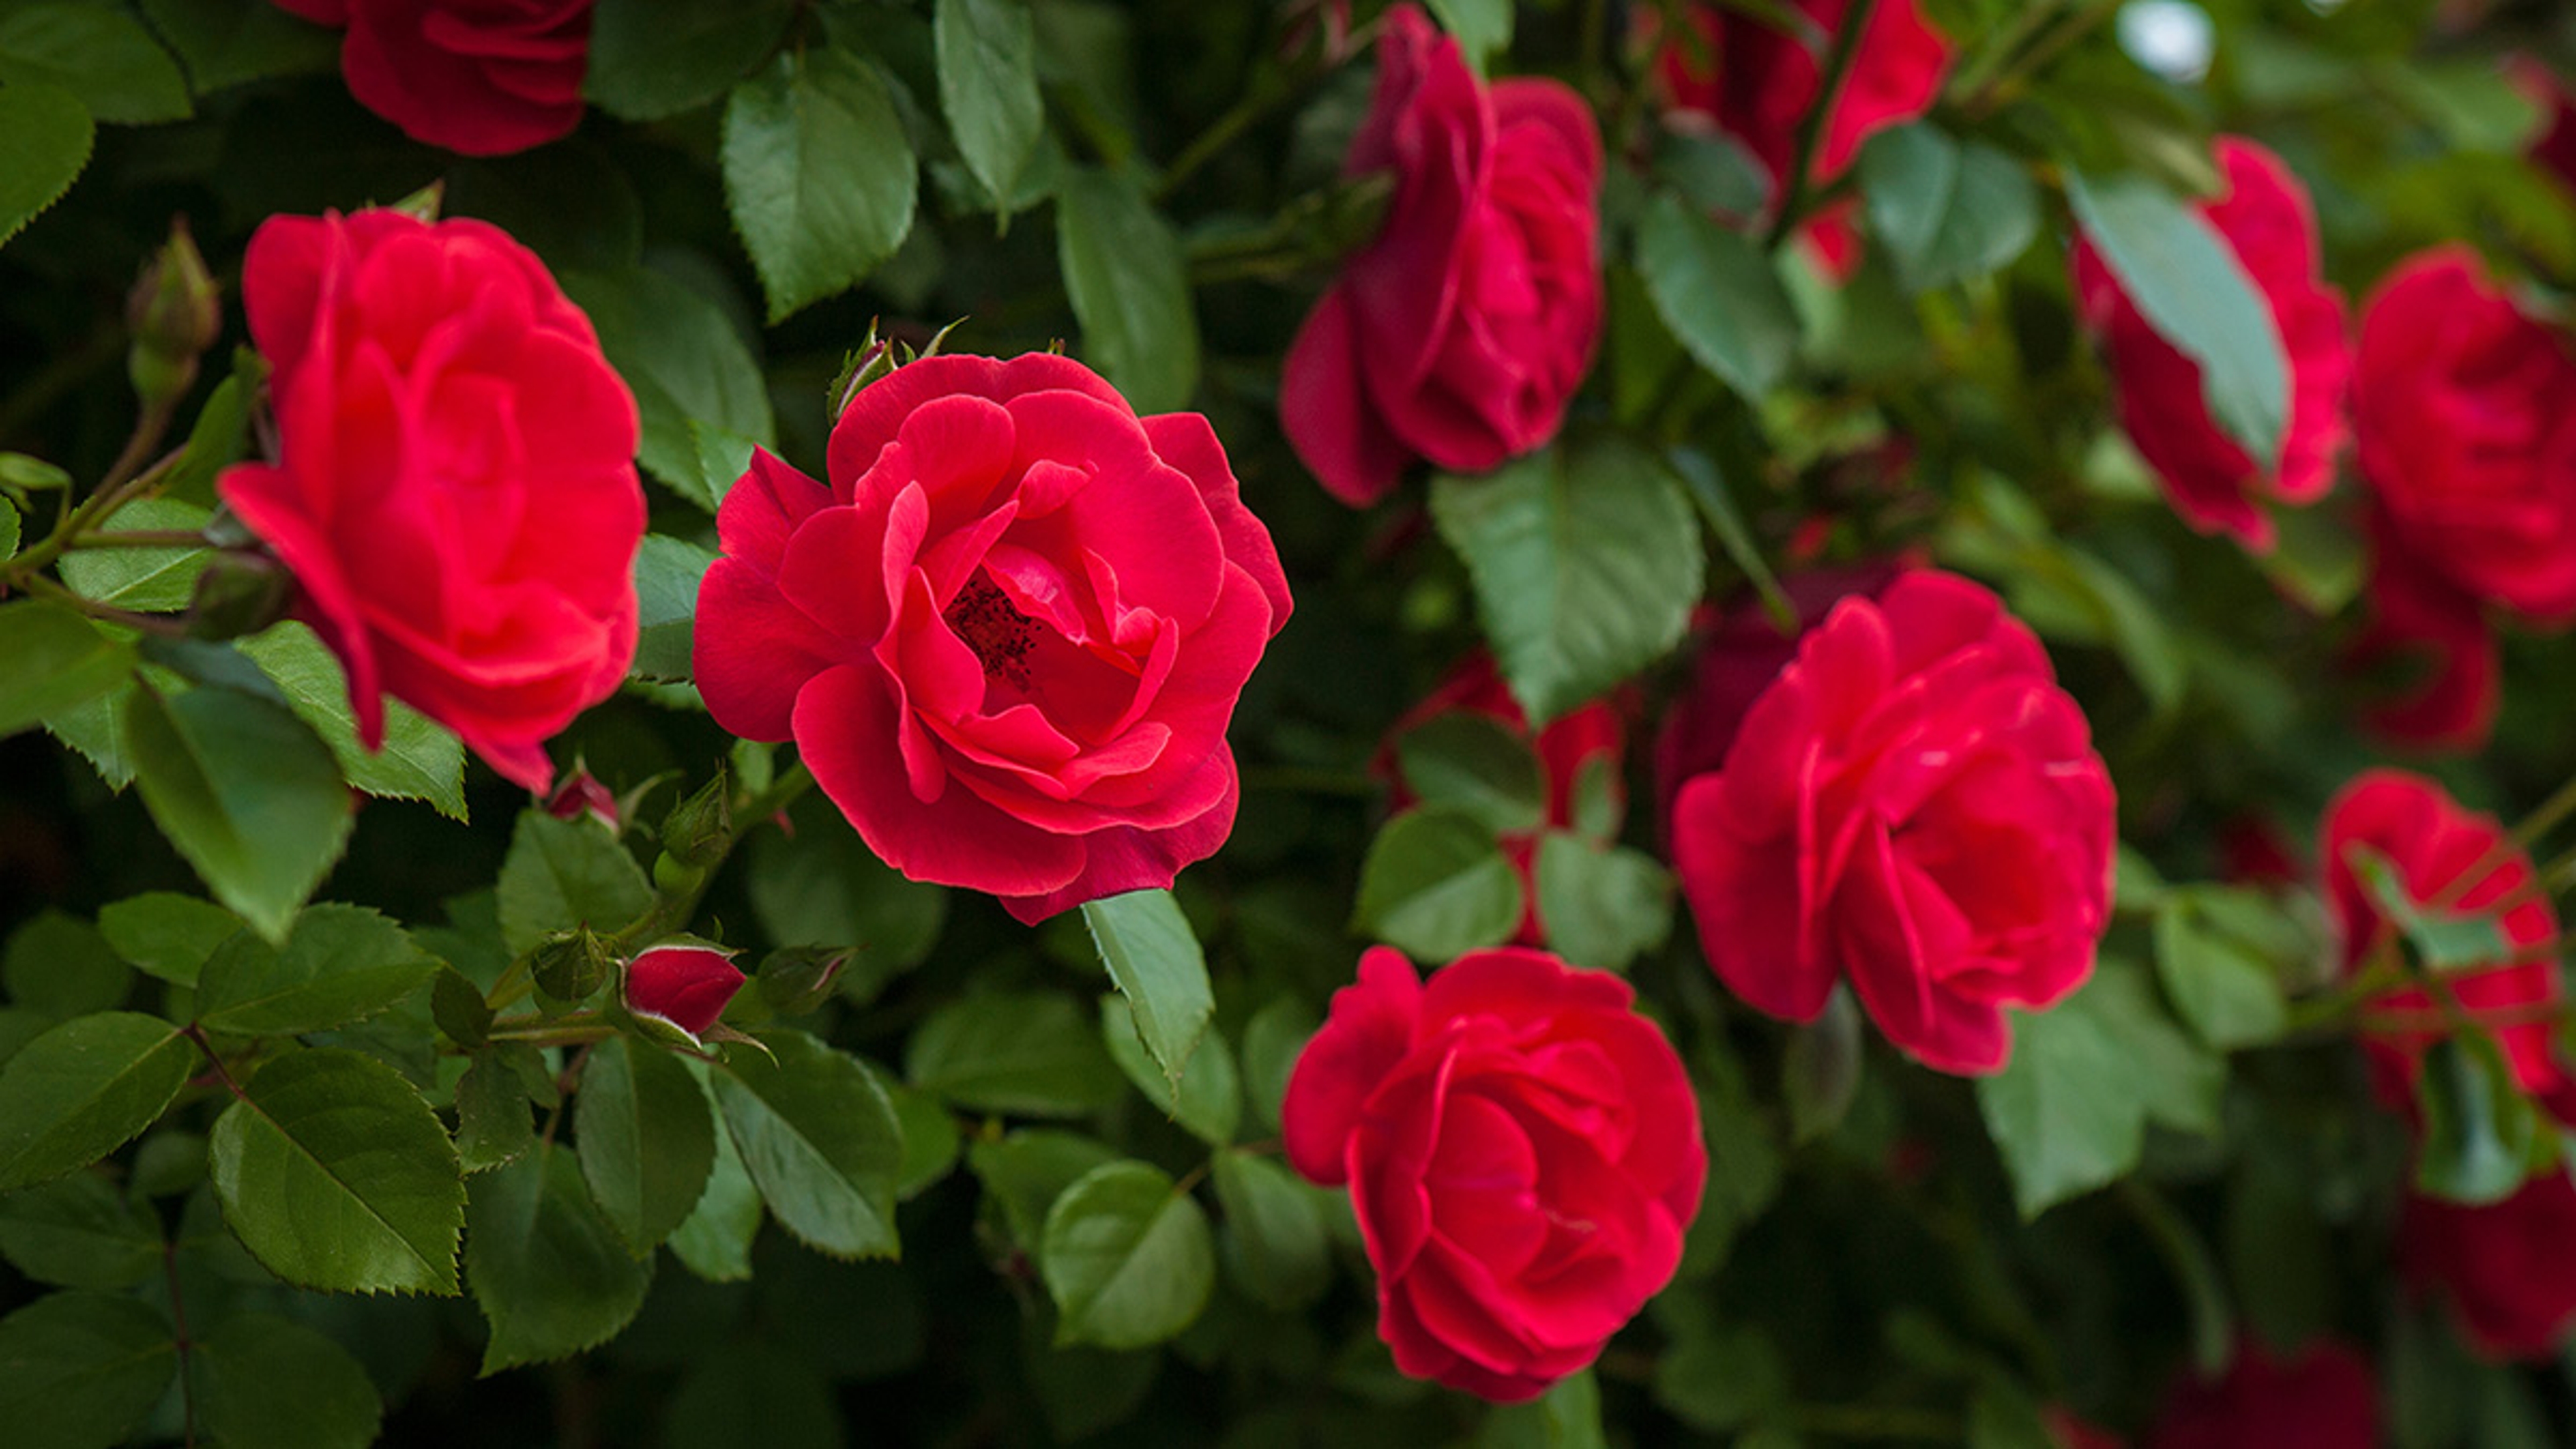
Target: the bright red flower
pixel 1461 332
pixel 1009 636
pixel 1913 805
pixel 455 486
pixel 2326 1398
pixel 2267 223
pixel 2504 1268
pixel 1523 1153
pixel 686 985
pixel 478 77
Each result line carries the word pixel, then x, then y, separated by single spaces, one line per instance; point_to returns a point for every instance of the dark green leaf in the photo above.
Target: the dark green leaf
pixel 46 132
pixel 2196 295
pixel 1601 906
pixel 819 174
pixel 656 58
pixel 1585 565
pixel 84 1089
pixel 1476 764
pixel 336 1175
pixel 1715 289
pixel 2482 1135
pixel 988 85
pixel 1127 1258
pixel 1024 1054
pixel 340 964
pixel 1275 1240
pixel 79 1232
pixel 647 1140
pixel 1436 885
pixel 53 660
pixel 1122 270
pixel 458 1007
pixel 1207 1098
pixel 63 967
pixel 743 1394
pixel 492 1125
pixel 97 52
pixel 823 887
pixel 819 1137
pixel 1821 1070
pixel 561 874
pixel 77 1370
pixel 1027 1170
pixel 167 934
pixel 931 1141
pixel 1272 1041
pixel 686 364
pixel 545 1266
pixel 225 43
pixel 421 759
pixel 1947 211
pixel 1155 960
pixel 715 1241
pixel 1718 1379
pixel 245 792
pixel 266 1383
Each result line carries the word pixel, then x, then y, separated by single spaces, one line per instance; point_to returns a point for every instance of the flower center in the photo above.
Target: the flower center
pixel 1001 636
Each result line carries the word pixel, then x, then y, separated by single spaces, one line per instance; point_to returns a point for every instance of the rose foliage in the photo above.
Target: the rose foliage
pixel 1303 724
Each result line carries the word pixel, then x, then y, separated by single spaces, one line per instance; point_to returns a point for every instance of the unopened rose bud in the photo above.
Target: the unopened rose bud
pixel 796 980
pixel 581 795
pixel 682 983
pixel 873 359
pixel 173 315
pixel 699 829
pixel 241 592
pixel 570 965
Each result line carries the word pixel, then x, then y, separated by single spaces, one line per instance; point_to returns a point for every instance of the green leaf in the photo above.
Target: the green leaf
pixel 457 1006
pixel 1435 885
pixel 667 574
pixel 421 759
pixel 2069 1111
pixel 1475 764
pixel 655 58
pixel 1715 289
pixel 1026 1054
pixel 492 1125
pixel 2483 1136
pixel 988 85
pixel 1585 566
pixel 546 1267
pixel 148 580
pixel 225 43
pixel 930 1139
pixel 646 1137
pixel 84 1089
pixel 97 52
pixel 1207 1097
pixel 2196 295
pixel 63 967
pixel 166 934
pixel 246 794
pixel 686 364
pixel 1483 28
pixel 1127 1258
pixel 221 433
pixel 47 133
pixel 2001 1416
pixel 79 1232
pixel 1719 1379
pixel 1602 907
pixel 1275 1242
pixel 1155 961
pixel 336 1175
pixel 78 1370
pixel 53 660
pixel 715 1241
pixel 818 173
pixel 1272 1041
pixel 823 887
pixel 1027 1170
pixel 1123 273
pixel 566 873
pixel 1820 1072
pixel 9 526
pixel 820 1138
pixel 2443 940
pixel 1567 1416
pixel 2218 980
pixel 1947 211
pixel 265 1383
pixel 340 964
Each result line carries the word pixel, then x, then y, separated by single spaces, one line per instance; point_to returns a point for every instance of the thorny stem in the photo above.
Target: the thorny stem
pixel 1795 188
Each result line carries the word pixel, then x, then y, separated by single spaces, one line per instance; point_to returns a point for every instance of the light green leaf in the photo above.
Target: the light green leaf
pixel 1475 764
pixel 421 759
pixel 818 173
pixel 1947 211
pixel 1601 907
pixel 820 1138
pixel 1274 1239
pixel 245 792
pixel 79 1232
pixel 2218 980
pixel 566 873
pixel 340 964
pixel 1567 1416
pixel 1127 1258
pixel 84 1089
pixel 1026 1054
pixel 265 1383
pixel 148 580
pixel 1483 28
pixel 646 1137
pixel 1715 289
pixel 1585 566
pixel 166 934
pixel 2483 1136
pixel 545 1266
pixel 336 1175
pixel 1155 960
pixel 1122 270
pixel 667 573
pixel 1207 1100
pixel 1435 885
pixel 99 53
pixel 78 1370
pixel 988 85
pixel 655 58
pixel 46 132
pixel 51 661
pixel 686 364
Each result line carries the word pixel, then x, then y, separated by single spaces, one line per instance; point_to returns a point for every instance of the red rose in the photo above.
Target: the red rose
pixel 2266 221
pixel 2421 621
pixel 2505 1267
pixel 480 77
pixel 1564 749
pixel 1461 332
pixel 2466 409
pixel 455 486
pixel 2458 860
pixel 2324 1399
pixel 684 984
pixel 1523 1154
pixel 1739 653
pixel 1915 805
pixel 1009 636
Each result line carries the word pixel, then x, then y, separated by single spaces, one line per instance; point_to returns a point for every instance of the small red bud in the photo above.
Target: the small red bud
pixel 685 985
pixel 581 794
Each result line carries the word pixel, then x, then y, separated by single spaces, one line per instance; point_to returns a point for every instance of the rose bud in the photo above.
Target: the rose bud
pixel 700 828
pixel 173 316
pixel 682 983
pixel 569 965
pixel 795 980
pixel 582 795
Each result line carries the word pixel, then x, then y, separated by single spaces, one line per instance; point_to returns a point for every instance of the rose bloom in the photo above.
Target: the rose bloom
pixel 2458 860
pixel 478 77
pixel 2466 412
pixel 1589 738
pixel 455 486
pixel 2504 1268
pixel 1009 636
pixel 1523 1153
pixel 2267 223
pixel 1462 331
pixel 1913 805
pixel 2326 1398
